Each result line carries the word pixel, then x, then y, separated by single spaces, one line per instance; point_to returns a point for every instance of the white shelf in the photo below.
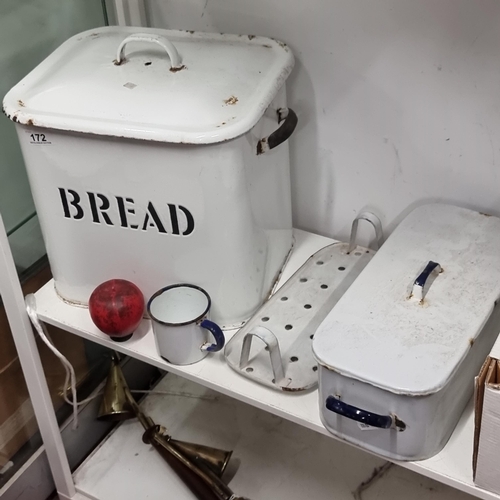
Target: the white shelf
pixel 452 466
pixel 274 458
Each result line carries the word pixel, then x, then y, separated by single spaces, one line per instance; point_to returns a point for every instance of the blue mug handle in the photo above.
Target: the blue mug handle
pixel 215 330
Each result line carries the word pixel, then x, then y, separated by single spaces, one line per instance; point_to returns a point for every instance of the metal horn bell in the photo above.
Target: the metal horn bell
pixel 115 404
pixel 213 458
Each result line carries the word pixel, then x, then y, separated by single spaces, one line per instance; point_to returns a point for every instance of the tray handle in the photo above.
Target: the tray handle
pixel 273 346
pixel 362 416
pixel 175 58
pixel 377 226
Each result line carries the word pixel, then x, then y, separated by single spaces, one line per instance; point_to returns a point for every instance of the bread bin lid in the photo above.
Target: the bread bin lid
pixel 170 86
pixel 386 332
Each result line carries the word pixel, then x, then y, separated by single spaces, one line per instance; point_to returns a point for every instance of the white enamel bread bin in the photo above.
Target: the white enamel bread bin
pixel 398 353
pixel 161 157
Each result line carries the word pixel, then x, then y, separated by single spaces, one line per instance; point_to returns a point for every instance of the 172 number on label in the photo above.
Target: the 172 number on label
pixel 38 138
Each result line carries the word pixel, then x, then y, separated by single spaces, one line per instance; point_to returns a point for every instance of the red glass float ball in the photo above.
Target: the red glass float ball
pixel 116 307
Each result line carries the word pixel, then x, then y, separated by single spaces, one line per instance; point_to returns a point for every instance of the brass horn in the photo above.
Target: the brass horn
pixel 118 404
pixel 200 478
pixel 214 458
pixel 115 405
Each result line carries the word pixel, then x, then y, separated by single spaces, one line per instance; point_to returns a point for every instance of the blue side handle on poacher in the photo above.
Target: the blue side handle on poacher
pixel 365 417
pixel 215 330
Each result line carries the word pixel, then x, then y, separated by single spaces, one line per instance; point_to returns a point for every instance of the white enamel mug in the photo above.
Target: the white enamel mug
pixel 179 315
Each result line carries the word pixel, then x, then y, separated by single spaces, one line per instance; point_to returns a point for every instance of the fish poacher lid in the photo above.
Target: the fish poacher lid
pixel 153 84
pixel 392 333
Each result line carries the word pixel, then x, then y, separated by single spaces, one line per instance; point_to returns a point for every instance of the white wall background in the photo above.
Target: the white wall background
pixel 398 100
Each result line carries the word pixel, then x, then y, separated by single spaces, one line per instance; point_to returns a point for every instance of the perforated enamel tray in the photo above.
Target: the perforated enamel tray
pixel 274 347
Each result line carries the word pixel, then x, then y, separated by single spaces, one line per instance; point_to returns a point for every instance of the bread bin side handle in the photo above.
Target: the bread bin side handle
pixel 290 120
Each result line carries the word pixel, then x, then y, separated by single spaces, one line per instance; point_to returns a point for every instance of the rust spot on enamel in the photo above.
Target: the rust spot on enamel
pixel 179 68
pixel 231 100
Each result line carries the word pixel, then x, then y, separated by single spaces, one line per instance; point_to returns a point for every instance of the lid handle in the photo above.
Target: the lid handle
pixel 421 281
pixel 175 58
